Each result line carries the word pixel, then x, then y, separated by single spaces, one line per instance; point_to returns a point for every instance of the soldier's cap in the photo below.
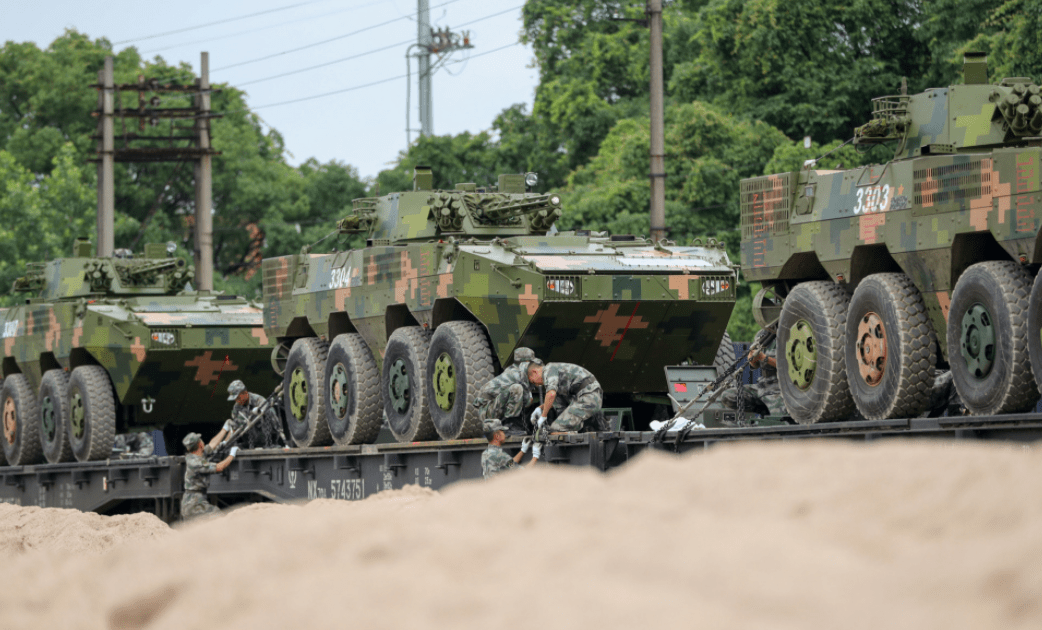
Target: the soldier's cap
pixel 523 354
pixel 191 440
pixel 237 387
pixel 491 426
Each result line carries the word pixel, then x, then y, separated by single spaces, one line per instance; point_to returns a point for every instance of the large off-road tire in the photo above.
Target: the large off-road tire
pixel 1035 330
pixel 891 348
pixel 811 341
pixel 459 363
pixel 403 385
pixel 54 416
pixel 3 459
pixel 354 411
pixel 92 413
pixel 988 339
pixel 304 393
pixel 725 356
pixel 21 429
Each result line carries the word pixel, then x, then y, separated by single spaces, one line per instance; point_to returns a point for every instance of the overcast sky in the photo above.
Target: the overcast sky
pixel 363 127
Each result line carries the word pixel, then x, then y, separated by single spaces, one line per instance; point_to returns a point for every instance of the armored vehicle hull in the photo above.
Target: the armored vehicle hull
pixel 81 363
pixel 892 273
pixel 420 325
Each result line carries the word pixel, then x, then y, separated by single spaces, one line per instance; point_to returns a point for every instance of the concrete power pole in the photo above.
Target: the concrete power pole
pixel 204 183
pixel 423 39
pixel 106 157
pixel 658 141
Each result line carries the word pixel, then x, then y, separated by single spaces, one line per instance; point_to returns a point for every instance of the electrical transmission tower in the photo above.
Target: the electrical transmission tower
pixel 438 43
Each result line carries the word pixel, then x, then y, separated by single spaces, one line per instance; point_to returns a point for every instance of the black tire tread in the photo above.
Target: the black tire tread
pixel 368 404
pixel 102 422
pixel 419 339
pixel 30 450
pixel 1034 326
pixel 478 358
pixel 59 380
pixel 725 356
pixel 315 351
pixel 916 334
pixel 833 301
pixel 1015 283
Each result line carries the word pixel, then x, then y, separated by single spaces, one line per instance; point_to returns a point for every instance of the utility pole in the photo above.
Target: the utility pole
pixel 658 141
pixel 106 155
pixel 440 43
pixel 135 145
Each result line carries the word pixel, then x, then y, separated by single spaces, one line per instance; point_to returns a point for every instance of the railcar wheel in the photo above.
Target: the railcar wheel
pixel 811 342
pixel 988 339
pixel 891 348
pixel 459 363
pixel 1035 330
pixel 304 393
pixel 92 413
pixel 54 416
pixel 21 429
pixel 354 412
pixel 403 385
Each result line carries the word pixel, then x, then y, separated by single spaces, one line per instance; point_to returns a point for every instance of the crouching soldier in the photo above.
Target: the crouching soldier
pixel 495 460
pixel 134 445
pixel 507 395
pixel 197 474
pixel 574 391
pixel 267 432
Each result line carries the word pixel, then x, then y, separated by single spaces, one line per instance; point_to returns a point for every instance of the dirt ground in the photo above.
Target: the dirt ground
pixel 770 535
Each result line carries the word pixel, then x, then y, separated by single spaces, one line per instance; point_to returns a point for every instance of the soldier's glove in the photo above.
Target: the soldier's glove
pixel 538 411
pixel 234 451
pixel 541 422
pixel 228 426
pixel 526 444
pixel 537 451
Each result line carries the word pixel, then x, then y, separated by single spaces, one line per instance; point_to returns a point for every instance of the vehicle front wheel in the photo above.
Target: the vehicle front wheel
pixel 459 363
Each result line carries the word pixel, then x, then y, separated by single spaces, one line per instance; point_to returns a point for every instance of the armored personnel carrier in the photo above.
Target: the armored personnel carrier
pixel 885 274
pixel 450 282
pixel 118 344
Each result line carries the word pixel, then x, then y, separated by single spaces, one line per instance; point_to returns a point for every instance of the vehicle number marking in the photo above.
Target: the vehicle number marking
pixel 873 199
pixel 340 278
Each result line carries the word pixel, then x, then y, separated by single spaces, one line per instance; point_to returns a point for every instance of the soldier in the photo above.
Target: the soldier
pixel 573 391
pixel 197 475
pixel 266 432
pixel 495 460
pixel 134 445
pixel 507 395
pixel 763 396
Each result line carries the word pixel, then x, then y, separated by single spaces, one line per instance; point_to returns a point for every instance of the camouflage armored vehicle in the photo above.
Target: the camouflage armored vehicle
pixel 116 344
pixel 450 283
pixel 884 275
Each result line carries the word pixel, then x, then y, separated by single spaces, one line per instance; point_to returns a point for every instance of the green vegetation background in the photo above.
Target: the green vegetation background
pixel 746 80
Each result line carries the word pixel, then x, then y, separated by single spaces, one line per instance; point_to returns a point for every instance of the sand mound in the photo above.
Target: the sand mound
pixel 24 529
pixel 829 535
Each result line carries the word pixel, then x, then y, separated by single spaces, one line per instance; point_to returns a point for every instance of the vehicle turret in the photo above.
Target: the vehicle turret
pixel 960 118
pixel 424 213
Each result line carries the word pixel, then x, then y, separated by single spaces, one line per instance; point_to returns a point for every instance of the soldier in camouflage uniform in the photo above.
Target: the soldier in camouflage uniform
pixel 495 460
pixel 197 475
pixel 507 395
pixel 265 433
pixel 573 391
pixel 134 445
pixel 764 396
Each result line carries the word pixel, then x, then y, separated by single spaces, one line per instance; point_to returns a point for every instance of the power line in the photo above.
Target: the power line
pixel 258 29
pixel 368 52
pixel 325 41
pixel 359 87
pixel 225 21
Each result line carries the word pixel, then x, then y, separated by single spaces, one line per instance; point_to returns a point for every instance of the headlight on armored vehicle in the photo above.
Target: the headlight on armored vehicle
pixel 557 285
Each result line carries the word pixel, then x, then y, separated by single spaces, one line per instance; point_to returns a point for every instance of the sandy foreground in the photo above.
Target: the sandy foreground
pixel 768 535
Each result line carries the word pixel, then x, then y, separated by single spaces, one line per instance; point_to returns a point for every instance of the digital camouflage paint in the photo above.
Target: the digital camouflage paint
pixel 450 282
pixel 884 274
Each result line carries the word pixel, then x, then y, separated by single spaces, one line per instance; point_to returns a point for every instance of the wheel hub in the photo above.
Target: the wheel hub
pixel 339 397
pixel 47 422
pixel 77 415
pixel 871 348
pixel 398 386
pixel 10 421
pixel 444 382
pixel 978 340
pixel 298 395
pixel 802 352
